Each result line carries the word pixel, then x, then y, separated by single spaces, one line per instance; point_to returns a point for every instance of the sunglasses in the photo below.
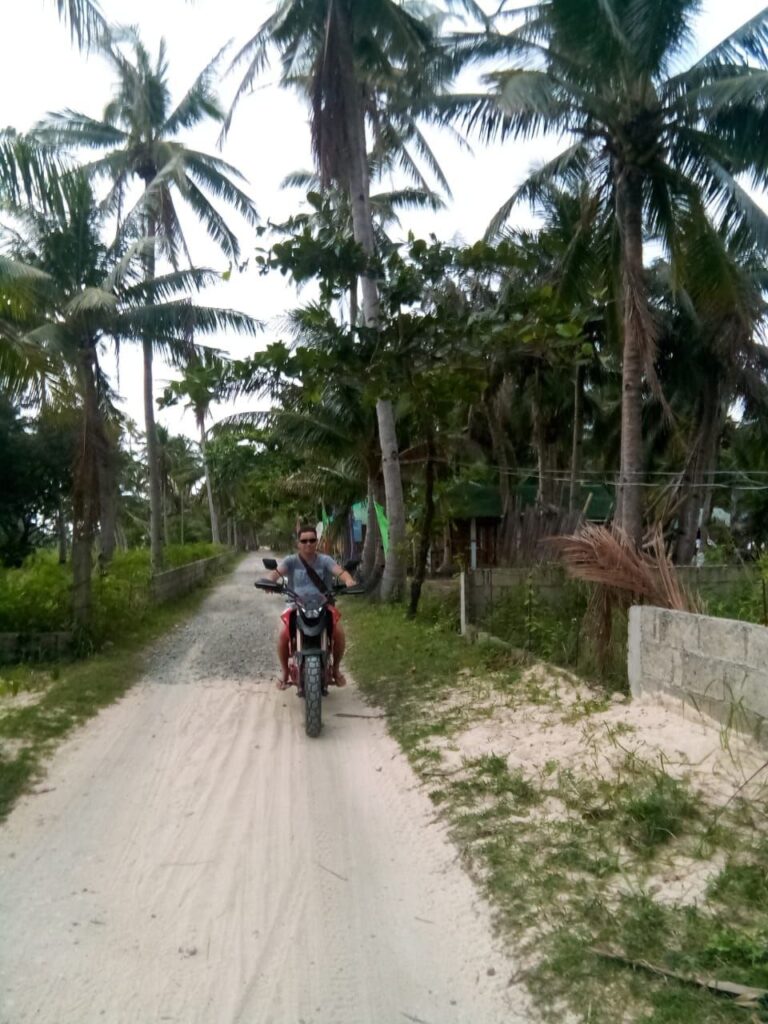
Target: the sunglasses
pixel 307 540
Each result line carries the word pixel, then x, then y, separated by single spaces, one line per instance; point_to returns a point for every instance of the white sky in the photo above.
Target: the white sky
pixel 41 72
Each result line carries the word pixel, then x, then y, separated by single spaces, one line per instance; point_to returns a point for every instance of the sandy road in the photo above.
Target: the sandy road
pixel 193 857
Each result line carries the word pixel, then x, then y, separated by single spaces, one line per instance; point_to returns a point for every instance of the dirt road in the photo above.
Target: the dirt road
pixel 193 857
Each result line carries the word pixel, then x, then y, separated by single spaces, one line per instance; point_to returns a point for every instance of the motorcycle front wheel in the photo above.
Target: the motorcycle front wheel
pixel 313 695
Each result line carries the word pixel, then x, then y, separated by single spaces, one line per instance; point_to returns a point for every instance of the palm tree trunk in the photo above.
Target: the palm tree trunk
pixel 85 495
pixel 578 432
pixel 153 467
pixel 209 490
pixel 107 502
pixel 446 563
pixel 699 477
pixel 637 341
pixel 498 445
pixel 372 539
pixel 425 535
pixel 393 583
pixel 164 501
pixel 353 303
pixel 153 453
pixel 61 531
pixel 544 451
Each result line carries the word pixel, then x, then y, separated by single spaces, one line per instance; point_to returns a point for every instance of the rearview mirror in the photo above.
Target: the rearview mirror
pixel 270 563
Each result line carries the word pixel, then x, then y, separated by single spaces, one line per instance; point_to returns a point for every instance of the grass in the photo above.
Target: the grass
pixel 41 705
pixel 570 861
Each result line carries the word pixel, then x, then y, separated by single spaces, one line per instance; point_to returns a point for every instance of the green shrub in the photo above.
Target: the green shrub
pixel 37 598
pixel 745 600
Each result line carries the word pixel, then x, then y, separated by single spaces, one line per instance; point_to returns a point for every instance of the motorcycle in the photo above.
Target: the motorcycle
pixel 310 662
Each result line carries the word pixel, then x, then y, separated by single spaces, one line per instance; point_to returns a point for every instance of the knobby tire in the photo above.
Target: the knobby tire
pixel 313 696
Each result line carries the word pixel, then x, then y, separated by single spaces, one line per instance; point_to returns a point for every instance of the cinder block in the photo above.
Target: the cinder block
pixel 723 638
pixel 635 650
pixel 703 676
pixel 754 692
pixel 661 667
pixel 678 629
pixel 757 647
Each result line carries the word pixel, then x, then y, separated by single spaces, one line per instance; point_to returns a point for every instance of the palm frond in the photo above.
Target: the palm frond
pixel 213 176
pixel 748 42
pixel 87 25
pixel 569 168
pixel 68 128
pixel 608 557
pixel 90 300
pixel 254 53
pixel 200 101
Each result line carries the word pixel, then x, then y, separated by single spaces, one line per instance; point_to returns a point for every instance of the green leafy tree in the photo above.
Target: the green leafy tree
pixel 357 63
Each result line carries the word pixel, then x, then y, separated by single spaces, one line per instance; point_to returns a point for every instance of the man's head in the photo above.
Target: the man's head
pixel 307 540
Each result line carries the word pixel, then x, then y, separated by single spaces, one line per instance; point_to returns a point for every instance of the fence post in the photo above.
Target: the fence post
pixel 463 602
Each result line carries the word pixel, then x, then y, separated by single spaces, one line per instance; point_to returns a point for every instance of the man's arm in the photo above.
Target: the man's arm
pixel 343 575
pixel 279 573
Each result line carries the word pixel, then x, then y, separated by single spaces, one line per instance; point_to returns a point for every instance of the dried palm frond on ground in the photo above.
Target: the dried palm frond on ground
pixel 609 558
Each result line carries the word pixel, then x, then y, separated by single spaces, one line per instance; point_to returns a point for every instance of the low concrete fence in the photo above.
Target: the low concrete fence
pixel 15 647
pixel 720 666
pixel 486 588
pixel 166 586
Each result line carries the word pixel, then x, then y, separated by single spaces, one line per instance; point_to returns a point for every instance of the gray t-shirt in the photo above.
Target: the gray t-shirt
pixel 299 580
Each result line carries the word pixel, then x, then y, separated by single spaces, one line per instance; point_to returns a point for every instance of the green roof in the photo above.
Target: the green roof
pixel 469 500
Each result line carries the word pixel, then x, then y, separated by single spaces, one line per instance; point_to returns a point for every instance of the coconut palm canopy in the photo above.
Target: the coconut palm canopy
pixel 658 142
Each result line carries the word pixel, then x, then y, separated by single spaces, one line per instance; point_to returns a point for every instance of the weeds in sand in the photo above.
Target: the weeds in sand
pixel 572 859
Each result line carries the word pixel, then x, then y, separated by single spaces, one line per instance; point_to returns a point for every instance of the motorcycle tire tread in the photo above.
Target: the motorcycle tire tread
pixel 313 696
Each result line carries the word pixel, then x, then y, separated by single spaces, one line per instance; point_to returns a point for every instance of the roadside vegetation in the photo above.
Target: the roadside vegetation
pixel 589 840
pixel 37 597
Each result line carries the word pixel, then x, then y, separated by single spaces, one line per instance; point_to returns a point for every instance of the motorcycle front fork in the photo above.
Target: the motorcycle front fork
pixel 293 663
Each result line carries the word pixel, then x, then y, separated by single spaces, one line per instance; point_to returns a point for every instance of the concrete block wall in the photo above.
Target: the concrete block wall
pixel 174 582
pixel 486 587
pixel 720 666
pixel 16 647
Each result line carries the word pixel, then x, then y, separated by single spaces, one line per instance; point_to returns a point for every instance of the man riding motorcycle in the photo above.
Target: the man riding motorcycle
pixel 294 568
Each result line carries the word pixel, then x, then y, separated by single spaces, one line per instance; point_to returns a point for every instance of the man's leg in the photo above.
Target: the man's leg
pixel 339 646
pixel 283 650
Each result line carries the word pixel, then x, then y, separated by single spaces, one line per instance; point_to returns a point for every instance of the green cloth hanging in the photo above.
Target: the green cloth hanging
pixel 381 516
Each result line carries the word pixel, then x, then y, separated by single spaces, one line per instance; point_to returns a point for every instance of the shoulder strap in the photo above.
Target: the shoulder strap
pixel 316 579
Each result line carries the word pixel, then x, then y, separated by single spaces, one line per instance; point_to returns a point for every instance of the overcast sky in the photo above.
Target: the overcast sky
pixel 41 72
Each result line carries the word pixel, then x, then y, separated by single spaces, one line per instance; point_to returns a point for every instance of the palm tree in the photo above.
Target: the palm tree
pixel 203 382
pixel 184 472
pixel 356 62
pixel 138 139
pixel 651 139
pixel 90 295
pixel 711 359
